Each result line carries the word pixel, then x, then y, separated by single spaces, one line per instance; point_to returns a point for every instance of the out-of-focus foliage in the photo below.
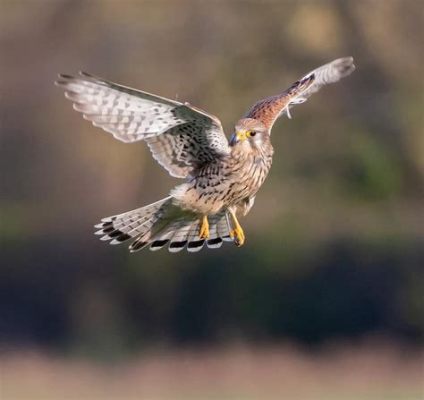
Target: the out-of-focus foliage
pixel 335 240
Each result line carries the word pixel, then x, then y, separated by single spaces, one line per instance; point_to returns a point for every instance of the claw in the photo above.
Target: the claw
pixel 204 228
pixel 238 235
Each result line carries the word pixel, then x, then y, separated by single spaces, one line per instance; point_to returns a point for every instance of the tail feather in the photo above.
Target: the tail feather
pixel 176 235
pixel 137 245
pixel 180 238
pixel 163 223
pixel 133 229
pixel 134 223
pixel 223 228
pixel 158 244
pixel 218 229
pixel 128 223
pixel 185 233
pixel 195 242
pixel 125 223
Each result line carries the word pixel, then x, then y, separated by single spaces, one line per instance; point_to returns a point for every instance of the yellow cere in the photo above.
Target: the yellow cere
pixel 243 134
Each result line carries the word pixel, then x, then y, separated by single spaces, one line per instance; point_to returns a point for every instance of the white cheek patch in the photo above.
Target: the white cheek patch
pixel 257 140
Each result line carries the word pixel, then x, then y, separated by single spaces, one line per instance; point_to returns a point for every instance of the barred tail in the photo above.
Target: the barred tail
pixel 185 233
pixel 139 223
pixel 163 223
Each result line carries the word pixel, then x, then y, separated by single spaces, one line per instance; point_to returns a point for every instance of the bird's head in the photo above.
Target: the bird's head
pixel 249 132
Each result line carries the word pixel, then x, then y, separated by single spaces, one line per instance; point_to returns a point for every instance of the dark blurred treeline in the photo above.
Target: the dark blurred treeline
pixel 335 240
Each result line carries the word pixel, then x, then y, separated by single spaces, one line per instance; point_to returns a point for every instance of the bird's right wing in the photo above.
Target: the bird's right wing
pixel 269 109
pixel 181 137
pixel 324 75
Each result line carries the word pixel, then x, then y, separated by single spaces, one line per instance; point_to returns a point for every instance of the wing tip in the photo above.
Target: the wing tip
pixel 63 79
pixel 65 76
pixel 87 75
pixel 345 65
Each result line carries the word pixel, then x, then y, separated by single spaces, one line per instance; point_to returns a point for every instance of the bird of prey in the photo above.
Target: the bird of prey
pixel 221 177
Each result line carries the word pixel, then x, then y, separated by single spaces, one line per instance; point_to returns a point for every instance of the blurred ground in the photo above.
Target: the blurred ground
pixel 363 372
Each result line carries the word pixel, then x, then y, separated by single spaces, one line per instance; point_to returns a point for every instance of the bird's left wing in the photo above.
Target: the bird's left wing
pixel 180 136
pixel 269 109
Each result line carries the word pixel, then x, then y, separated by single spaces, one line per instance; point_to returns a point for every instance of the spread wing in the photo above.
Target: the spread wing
pixel 180 137
pixel 269 109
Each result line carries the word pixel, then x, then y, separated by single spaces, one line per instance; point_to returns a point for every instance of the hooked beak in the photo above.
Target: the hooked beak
pixel 238 136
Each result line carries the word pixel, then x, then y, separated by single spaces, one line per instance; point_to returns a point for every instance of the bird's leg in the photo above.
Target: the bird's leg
pixel 204 228
pixel 237 233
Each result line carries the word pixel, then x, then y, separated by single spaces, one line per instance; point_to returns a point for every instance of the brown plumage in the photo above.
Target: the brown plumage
pixel 221 177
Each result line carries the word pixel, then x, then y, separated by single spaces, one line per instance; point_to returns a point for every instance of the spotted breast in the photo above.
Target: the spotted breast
pixel 226 182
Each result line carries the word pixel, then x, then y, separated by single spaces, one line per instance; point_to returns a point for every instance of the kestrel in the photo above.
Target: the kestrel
pixel 221 177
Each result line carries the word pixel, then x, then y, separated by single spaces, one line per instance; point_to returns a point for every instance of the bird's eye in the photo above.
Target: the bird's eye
pixel 252 133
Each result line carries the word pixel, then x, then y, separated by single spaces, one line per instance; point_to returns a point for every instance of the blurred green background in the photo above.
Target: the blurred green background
pixel 335 242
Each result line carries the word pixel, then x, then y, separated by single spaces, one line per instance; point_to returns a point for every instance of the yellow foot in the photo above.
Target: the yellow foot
pixel 204 228
pixel 238 235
